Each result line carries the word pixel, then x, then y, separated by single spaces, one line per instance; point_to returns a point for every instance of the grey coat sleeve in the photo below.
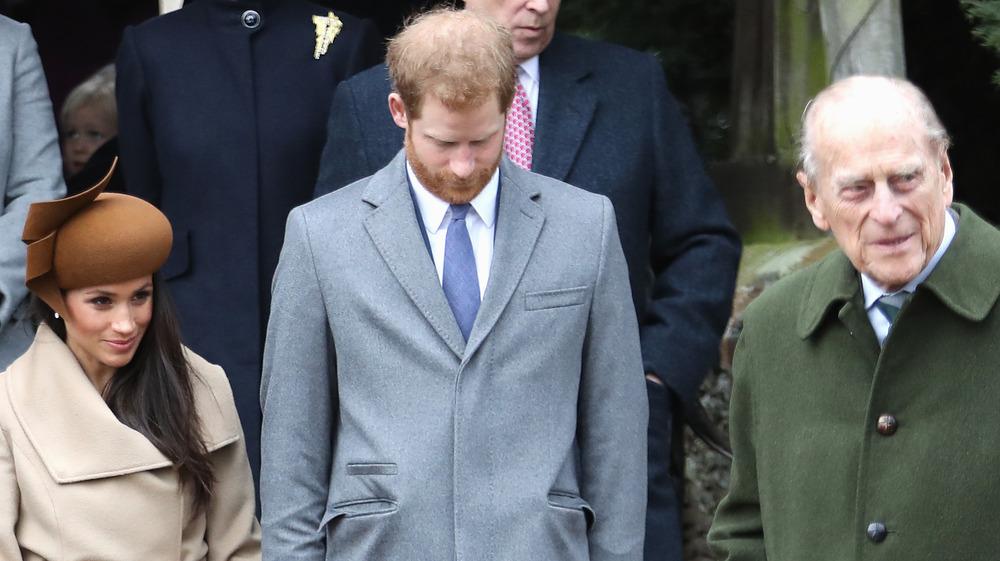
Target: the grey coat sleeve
pixel 298 398
pixel 30 163
pixel 613 411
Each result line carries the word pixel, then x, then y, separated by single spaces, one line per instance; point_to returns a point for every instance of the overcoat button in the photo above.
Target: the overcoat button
pixel 886 425
pixel 877 532
pixel 251 19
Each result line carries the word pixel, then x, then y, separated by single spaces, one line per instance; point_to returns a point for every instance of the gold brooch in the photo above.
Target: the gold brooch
pixel 327 29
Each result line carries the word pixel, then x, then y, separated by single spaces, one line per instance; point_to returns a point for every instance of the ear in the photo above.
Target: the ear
pixel 812 201
pixel 398 110
pixel 947 188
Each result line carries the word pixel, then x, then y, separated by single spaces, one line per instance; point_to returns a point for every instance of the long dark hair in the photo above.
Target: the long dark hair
pixel 153 395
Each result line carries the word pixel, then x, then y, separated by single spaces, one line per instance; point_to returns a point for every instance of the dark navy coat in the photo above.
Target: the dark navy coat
pixel 607 123
pixel 222 118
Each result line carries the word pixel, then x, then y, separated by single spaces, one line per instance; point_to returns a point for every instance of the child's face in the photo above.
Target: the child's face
pixel 87 128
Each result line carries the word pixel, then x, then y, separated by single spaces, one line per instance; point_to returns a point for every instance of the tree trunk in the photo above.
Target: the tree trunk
pixel 863 37
pixel 752 104
pixel 799 70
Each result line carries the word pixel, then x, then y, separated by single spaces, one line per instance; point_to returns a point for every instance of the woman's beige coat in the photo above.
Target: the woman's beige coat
pixel 76 484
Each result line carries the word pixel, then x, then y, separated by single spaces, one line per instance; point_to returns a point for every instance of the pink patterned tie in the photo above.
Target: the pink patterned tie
pixel 519 136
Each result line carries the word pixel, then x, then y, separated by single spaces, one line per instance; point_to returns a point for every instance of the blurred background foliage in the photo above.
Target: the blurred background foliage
pixel 692 39
pixel 985 18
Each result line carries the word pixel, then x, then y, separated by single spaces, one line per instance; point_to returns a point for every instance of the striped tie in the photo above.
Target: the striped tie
pixel 889 305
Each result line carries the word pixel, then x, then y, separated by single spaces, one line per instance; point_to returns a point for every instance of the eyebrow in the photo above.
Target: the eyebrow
pixel 850 179
pixel 99 292
pixel 498 130
pixel 480 139
pixel 909 169
pixel 427 134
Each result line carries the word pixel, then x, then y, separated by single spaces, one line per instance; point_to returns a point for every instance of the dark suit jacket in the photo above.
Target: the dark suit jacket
pixel 221 126
pixel 608 124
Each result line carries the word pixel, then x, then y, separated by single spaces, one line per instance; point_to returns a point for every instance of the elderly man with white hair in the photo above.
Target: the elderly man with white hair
pixel 864 407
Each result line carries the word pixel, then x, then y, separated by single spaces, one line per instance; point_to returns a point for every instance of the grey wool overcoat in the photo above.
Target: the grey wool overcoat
pixel 30 171
pixel 387 437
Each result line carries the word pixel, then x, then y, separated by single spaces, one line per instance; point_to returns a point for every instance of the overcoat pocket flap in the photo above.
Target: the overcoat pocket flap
pixel 573 502
pixel 359 507
pixel 555 298
pixel 383 468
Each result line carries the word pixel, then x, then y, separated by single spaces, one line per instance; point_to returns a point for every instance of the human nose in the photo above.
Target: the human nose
pixel 886 209
pixel 76 145
pixel 463 163
pixel 539 6
pixel 123 321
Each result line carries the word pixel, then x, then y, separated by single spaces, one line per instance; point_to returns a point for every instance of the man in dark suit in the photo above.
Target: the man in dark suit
pixel 222 107
pixel 603 120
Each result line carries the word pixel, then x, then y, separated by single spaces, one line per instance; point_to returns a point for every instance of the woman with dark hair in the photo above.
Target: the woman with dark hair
pixel 118 443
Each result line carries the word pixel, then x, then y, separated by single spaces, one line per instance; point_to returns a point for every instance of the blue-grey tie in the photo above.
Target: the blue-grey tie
pixel 889 305
pixel 460 278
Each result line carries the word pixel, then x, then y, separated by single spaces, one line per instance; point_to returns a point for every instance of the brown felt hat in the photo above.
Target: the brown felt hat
pixel 91 239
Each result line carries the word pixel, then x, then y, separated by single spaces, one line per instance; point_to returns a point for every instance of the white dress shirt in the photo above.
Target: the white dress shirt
pixel 481 223
pixel 873 292
pixel 170 5
pixel 527 75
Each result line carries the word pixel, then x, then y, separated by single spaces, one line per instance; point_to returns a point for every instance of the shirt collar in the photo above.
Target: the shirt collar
pixel 433 210
pixel 873 292
pixel 959 281
pixel 530 68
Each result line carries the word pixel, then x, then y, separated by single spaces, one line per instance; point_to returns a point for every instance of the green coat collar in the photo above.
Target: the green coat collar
pixel 957 280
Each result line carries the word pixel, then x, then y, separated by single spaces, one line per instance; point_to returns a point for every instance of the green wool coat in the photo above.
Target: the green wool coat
pixel 812 472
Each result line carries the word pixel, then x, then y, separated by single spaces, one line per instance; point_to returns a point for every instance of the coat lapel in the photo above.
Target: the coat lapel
pixel 835 284
pixel 75 434
pixel 393 228
pixel 519 223
pixel 567 101
pixel 956 280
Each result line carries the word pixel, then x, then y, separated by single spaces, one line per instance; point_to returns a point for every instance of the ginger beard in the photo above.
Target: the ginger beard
pixel 445 185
